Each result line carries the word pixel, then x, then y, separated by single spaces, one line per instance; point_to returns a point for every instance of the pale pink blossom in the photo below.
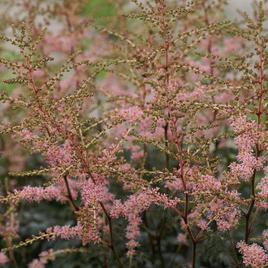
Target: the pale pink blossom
pixel 150 129
pixel 225 213
pixel 246 138
pixel 60 154
pixel 196 94
pixel 3 258
pixel 130 114
pixel 92 193
pixel 230 45
pixel 136 152
pixel 66 232
pixel 37 194
pixel 36 264
pixel 134 206
pixel 265 236
pixel 182 238
pixel 253 255
pixel 262 186
pixel 38 73
pixel 111 85
pixel 207 183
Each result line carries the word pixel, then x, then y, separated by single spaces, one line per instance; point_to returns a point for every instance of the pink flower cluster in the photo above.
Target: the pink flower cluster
pixel 206 183
pixel 60 154
pixel 3 258
pixel 66 232
pixel 94 193
pixel 225 213
pixel 43 259
pixel 245 141
pixel 253 255
pixel 132 209
pixel 262 188
pixel 128 122
pixel 130 114
pixel 265 237
pixel 37 194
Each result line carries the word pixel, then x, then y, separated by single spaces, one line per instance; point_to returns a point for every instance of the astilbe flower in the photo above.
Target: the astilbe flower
pixel 53 192
pixel 151 129
pixel 196 94
pixel 36 264
pixel 136 152
pixel 94 196
pixel 265 237
pixel 245 140
pixel 3 258
pixel 219 210
pixel 116 87
pixel 175 183
pixel 92 224
pixel 226 214
pixel 253 255
pixel 37 194
pixel 206 183
pixel 43 259
pixel 262 188
pixel 132 209
pixel 130 114
pixel 174 95
pixel 58 155
pixel 65 232
pixel 182 239
pixel 131 179
pixel 92 192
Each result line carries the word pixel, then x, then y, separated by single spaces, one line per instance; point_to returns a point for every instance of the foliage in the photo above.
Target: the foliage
pixel 133 134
